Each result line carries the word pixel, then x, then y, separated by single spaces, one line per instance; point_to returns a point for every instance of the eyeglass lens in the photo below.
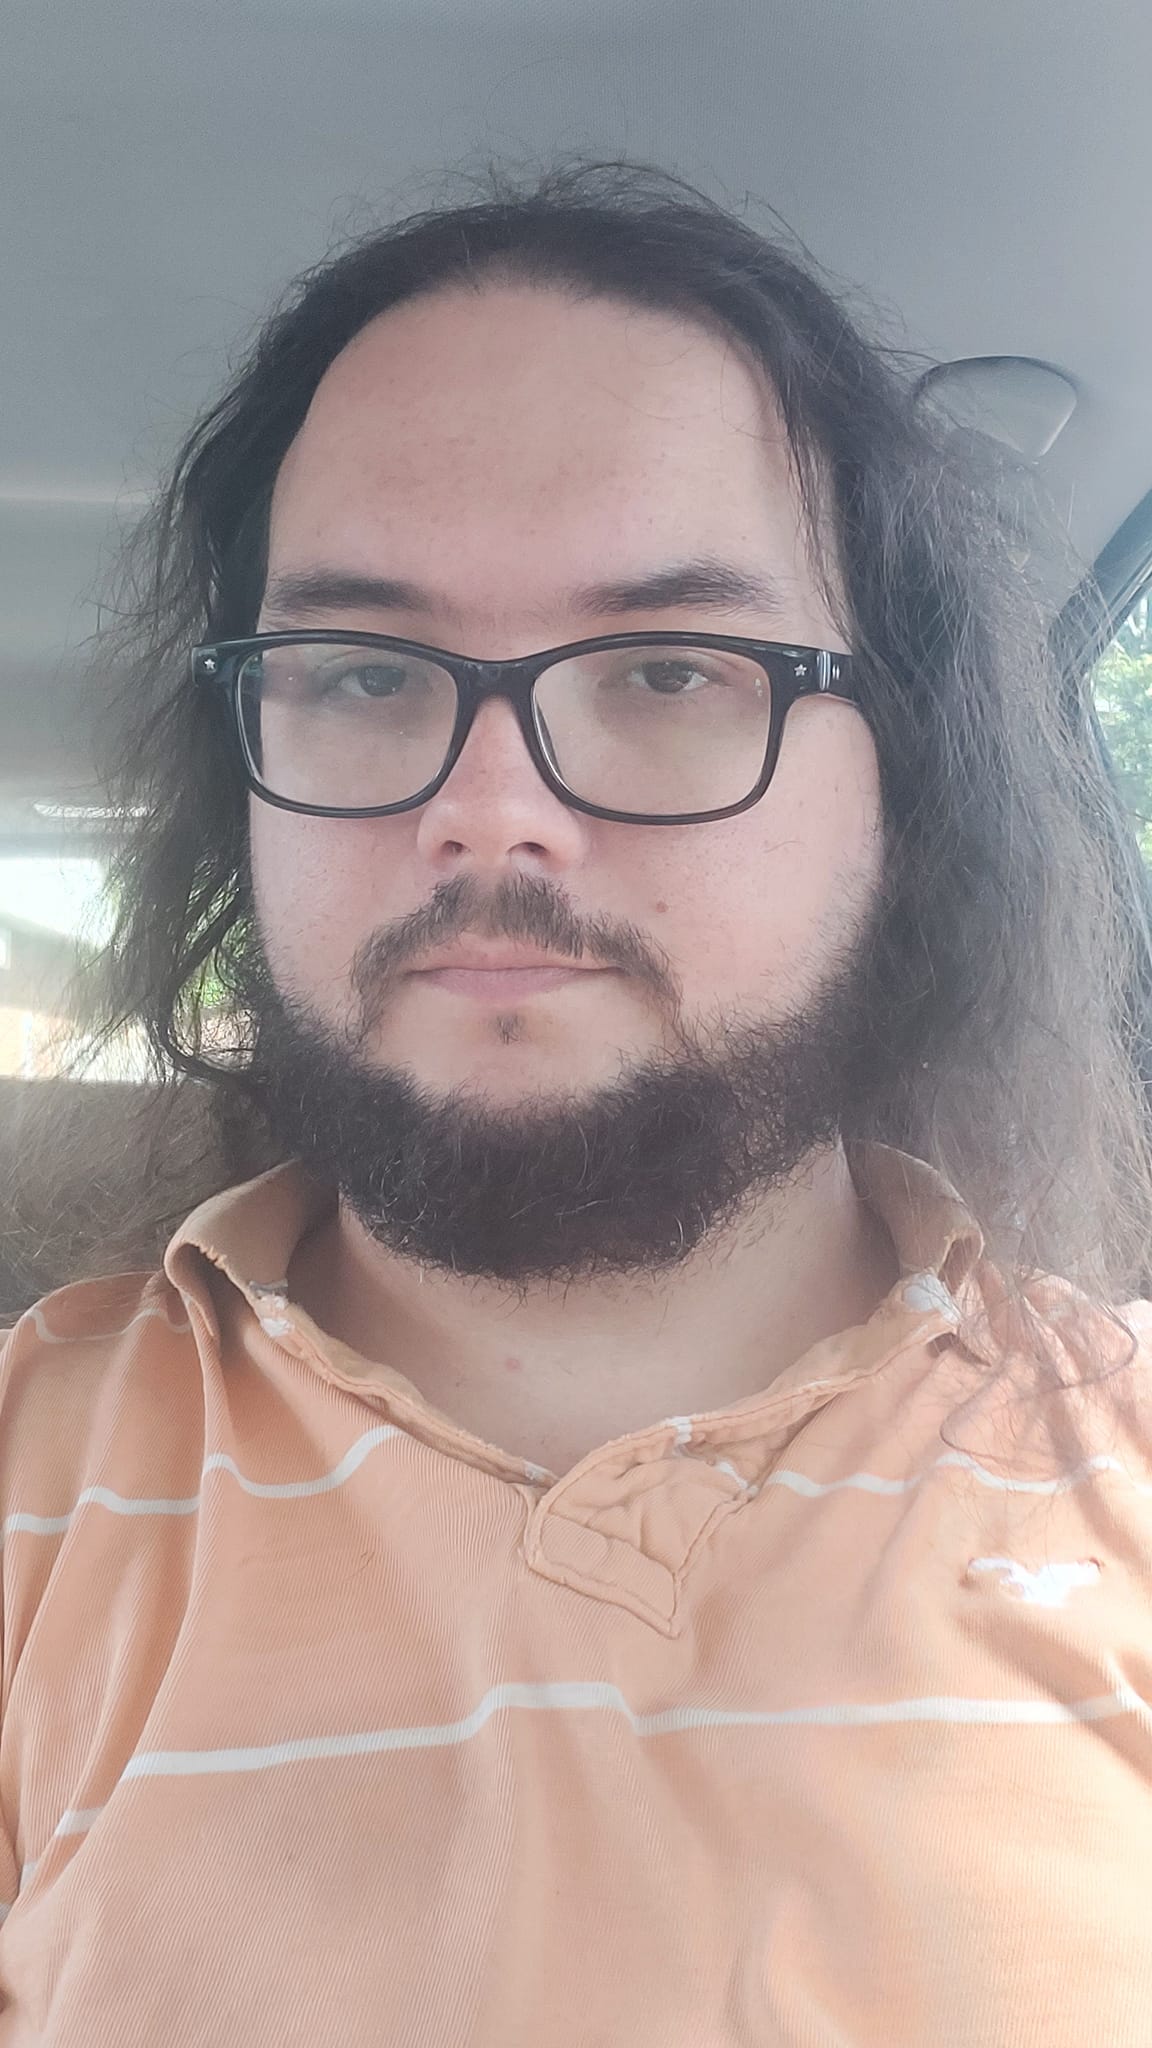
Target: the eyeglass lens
pixel 659 729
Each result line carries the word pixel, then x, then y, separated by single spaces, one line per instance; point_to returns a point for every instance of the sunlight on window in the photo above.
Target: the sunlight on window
pixel 58 895
pixel 53 912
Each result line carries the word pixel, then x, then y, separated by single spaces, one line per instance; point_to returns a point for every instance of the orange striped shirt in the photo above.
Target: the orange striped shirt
pixel 818 1721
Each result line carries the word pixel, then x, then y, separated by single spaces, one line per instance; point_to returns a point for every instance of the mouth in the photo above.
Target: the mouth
pixel 504 984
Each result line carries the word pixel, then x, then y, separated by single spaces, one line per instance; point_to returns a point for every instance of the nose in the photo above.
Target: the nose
pixel 496 805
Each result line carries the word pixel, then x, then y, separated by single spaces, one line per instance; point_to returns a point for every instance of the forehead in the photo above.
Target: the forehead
pixel 514 427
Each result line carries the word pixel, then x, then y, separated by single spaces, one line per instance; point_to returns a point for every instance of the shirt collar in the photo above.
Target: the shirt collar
pixel 932 1228
pixel 250 1232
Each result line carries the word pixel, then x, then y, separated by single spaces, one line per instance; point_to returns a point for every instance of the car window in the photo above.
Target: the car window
pixel 54 910
pixel 1123 693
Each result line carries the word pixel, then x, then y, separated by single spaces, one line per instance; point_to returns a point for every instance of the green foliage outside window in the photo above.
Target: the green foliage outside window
pixel 1123 689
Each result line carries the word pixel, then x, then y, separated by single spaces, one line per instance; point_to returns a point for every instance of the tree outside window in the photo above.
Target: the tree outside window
pixel 1123 690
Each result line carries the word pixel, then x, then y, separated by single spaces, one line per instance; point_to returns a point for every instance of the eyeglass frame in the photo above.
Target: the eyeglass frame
pixel 793 672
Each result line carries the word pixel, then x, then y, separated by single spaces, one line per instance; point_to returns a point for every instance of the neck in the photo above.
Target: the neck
pixel 553 1374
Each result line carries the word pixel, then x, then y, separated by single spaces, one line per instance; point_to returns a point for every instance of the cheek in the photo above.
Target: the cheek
pixel 316 897
pixel 795 874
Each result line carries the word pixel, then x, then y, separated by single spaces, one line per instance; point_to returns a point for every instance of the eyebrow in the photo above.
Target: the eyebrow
pixel 702 584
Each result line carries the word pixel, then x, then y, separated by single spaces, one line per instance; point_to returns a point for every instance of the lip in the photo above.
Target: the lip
pixel 498 960
pixel 503 984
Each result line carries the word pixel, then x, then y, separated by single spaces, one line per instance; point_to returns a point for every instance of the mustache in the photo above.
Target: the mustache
pixel 525 909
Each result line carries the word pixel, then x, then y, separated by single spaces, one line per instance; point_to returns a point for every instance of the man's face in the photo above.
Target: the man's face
pixel 502 449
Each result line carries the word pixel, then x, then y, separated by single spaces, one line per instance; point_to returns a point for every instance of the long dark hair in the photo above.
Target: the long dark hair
pixel 1005 1032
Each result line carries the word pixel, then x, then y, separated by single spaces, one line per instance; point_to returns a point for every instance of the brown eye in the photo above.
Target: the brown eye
pixel 368 679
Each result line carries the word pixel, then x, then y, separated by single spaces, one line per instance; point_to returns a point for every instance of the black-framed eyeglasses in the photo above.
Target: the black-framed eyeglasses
pixel 652 729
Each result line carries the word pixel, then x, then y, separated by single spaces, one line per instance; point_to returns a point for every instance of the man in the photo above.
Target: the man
pixel 602 1543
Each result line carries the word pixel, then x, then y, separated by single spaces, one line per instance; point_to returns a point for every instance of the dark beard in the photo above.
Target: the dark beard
pixel 629 1177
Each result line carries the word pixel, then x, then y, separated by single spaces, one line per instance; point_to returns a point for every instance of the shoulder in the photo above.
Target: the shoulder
pixel 84 1354
pixel 92 1318
pixel 1051 1401
pixel 1042 1336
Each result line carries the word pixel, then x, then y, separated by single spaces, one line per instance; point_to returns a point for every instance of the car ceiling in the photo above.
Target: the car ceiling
pixel 974 173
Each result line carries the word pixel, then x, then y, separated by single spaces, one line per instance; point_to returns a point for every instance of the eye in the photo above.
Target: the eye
pixel 668 677
pixel 368 679
pixel 683 675
pixel 661 674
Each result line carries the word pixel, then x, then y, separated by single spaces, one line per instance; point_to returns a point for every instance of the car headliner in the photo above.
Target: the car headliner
pixel 976 174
